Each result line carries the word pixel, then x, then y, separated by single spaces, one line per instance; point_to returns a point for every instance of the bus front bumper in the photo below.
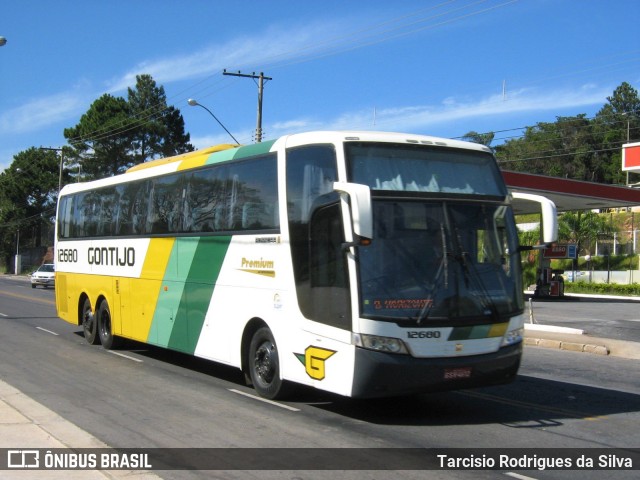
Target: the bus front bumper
pixel 384 374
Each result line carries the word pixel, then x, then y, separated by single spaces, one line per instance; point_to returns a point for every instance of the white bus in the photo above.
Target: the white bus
pixel 361 263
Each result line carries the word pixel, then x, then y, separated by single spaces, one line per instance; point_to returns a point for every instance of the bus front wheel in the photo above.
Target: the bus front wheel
pixel 264 365
pixel 89 323
pixel 105 328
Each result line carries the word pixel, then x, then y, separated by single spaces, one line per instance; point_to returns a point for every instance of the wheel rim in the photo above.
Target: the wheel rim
pixel 88 321
pixel 105 323
pixel 265 362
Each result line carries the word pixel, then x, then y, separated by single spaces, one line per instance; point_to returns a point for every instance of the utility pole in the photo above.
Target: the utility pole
pixel 261 79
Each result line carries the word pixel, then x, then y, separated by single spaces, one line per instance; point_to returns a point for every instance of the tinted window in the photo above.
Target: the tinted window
pixel 237 196
pixel 421 168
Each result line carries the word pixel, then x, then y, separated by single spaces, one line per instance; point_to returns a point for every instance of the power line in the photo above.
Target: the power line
pixel 340 44
pixel 557 155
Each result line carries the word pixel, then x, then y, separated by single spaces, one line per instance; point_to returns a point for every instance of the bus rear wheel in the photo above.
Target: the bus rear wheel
pixel 105 327
pixel 264 366
pixel 89 323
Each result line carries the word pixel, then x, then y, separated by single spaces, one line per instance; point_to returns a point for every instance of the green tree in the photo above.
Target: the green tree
pixel 115 134
pixel 577 147
pixel 583 229
pixel 176 140
pixel 564 148
pixel 481 138
pixel 617 122
pixel 159 130
pixel 529 153
pixel 28 195
pixel 103 139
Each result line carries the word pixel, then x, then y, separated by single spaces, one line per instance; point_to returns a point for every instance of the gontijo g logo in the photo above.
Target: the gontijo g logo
pixel 313 360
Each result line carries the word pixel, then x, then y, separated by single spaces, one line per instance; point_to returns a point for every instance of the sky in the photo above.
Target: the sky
pixel 434 67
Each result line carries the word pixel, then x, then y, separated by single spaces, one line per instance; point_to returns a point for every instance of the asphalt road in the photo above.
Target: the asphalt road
pixel 142 397
pixel 598 317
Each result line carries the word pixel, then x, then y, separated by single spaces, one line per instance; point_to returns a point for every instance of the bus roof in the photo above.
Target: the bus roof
pixel 376 136
pixel 183 157
pixel 225 152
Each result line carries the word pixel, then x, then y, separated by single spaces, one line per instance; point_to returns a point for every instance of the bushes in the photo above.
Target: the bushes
pixel 602 288
pixel 529 273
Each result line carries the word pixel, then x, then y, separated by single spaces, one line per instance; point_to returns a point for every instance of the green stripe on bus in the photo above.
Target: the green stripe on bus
pixel 240 152
pixel 476 332
pixel 186 290
pixel 168 300
pixel 198 290
pixel 222 156
pixel 253 150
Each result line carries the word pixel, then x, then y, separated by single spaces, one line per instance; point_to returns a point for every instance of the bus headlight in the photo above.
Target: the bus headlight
pixel 512 336
pixel 379 344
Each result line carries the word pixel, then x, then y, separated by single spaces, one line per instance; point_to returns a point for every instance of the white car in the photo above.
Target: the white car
pixel 45 276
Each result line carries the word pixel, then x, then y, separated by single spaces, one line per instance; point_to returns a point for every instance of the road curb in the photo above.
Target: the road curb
pixel 571 346
pixel 560 338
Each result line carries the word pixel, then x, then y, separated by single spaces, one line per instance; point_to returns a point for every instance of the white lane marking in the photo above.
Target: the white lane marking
pixel 126 356
pixel 3 315
pixel 48 331
pixel 518 476
pixel 271 402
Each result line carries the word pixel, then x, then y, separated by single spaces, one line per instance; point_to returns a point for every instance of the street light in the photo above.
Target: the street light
pixel 194 103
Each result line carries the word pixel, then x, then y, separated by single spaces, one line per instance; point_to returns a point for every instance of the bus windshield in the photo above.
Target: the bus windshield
pixel 424 169
pixel 438 255
pixel 439 261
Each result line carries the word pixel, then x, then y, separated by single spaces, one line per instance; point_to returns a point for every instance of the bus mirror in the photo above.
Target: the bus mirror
pixel 361 216
pixel 549 218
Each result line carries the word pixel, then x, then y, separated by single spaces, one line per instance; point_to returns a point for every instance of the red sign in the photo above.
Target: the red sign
pixel 560 251
pixel 631 157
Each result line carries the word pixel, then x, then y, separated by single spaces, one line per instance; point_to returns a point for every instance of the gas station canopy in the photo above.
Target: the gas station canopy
pixel 568 195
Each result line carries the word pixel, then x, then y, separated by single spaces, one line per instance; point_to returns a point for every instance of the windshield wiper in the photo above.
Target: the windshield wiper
pixel 474 286
pixel 471 275
pixel 442 269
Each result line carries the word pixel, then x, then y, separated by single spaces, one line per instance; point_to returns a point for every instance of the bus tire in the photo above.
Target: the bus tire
pixel 105 327
pixel 264 365
pixel 89 323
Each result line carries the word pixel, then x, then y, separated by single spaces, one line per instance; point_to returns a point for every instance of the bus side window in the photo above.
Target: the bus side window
pixel 123 211
pixel 254 194
pixel 107 201
pixel 166 205
pixel 91 214
pixel 139 208
pixel 64 217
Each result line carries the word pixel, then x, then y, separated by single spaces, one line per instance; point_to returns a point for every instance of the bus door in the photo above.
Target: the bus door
pixel 316 236
pixel 328 295
pixel 122 324
pixel 320 268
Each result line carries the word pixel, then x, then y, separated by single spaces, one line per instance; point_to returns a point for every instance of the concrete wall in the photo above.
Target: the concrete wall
pixel 601 276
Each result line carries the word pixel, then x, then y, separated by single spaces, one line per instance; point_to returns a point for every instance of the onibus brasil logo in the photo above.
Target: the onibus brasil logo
pixel 313 360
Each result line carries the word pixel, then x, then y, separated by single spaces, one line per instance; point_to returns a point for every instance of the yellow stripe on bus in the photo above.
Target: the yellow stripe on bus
pixel 149 285
pixel 198 157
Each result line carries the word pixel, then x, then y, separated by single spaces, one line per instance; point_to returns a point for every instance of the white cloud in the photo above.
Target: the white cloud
pixel 203 141
pixel 274 46
pixel 42 112
pixel 417 117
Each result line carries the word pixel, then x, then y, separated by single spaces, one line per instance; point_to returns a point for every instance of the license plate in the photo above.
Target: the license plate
pixel 457 373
